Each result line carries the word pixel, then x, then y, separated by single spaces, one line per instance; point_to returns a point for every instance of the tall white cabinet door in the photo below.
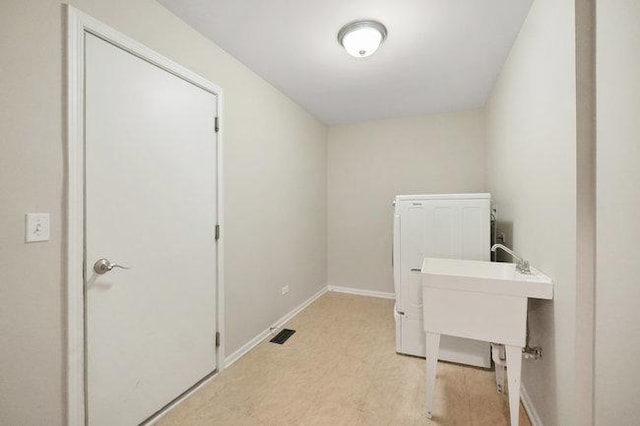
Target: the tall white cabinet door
pixel 151 206
pixel 459 229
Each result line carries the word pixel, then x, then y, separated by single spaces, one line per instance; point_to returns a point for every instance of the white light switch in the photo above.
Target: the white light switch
pixel 37 227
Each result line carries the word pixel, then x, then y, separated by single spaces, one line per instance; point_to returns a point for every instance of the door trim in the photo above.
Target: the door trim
pixel 78 24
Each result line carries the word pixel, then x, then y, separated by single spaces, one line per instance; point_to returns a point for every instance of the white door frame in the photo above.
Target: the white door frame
pixel 78 24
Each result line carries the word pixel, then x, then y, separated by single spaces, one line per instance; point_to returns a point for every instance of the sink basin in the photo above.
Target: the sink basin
pixel 485 277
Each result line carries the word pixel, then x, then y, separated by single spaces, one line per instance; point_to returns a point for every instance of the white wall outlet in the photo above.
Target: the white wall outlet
pixel 36 227
pixel 285 290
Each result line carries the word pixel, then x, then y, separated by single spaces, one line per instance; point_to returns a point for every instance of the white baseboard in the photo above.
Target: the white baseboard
pixel 534 418
pixel 360 292
pixel 266 333
pixel 234 357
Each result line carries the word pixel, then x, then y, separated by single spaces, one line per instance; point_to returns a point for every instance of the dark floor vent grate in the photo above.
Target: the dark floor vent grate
pixel 282 336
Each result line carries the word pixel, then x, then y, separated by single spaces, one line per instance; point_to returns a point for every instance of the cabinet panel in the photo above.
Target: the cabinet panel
pixel 413 236
pixel 475 227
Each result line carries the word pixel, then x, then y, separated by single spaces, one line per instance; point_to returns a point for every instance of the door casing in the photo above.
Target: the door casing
pixel 78 24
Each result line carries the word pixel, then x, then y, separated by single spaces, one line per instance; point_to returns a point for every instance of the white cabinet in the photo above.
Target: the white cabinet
pixel 455 226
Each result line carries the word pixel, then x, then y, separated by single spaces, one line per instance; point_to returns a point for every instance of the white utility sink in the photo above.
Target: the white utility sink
pixel 483 301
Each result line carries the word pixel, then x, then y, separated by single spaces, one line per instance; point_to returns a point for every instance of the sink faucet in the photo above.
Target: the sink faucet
pixel 521 265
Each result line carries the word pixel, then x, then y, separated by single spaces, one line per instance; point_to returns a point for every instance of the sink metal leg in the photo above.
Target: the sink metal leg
pixel 433 345
pixel 500 364
pixel 500 378
pixel 514 367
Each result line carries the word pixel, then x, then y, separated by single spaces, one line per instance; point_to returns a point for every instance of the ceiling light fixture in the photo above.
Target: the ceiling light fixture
pixel 362 38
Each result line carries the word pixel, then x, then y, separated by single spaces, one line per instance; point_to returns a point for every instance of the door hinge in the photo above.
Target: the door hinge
pixel 217 339
pixel 217 232
pixel 217 124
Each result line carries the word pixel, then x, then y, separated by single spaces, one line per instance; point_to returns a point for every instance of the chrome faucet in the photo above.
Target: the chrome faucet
pixel 521 265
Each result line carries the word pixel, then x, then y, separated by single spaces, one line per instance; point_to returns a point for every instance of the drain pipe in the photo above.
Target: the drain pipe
pixel 529 352
pixel 499 358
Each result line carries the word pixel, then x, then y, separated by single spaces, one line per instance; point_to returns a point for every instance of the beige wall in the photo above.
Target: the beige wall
pixel 275 191
pixel 372 162
pixel 585 210
pixel 531 172
pixel 617 373
pixel 31 179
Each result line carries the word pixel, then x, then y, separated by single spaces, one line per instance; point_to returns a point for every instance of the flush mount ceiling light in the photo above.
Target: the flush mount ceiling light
pixel 362 38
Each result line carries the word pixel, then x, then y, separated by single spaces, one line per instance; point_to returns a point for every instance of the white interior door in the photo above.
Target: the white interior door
pixel 150 205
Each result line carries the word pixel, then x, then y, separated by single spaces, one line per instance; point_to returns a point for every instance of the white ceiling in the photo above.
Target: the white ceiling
pixel 439 56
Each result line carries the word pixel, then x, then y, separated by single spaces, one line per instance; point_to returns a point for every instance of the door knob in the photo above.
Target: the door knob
pixel 103 266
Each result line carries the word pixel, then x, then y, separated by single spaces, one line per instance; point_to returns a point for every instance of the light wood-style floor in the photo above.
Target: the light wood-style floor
pixel 341 368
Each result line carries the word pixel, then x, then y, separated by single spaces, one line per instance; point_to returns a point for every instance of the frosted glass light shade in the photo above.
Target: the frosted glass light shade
pixel 362 38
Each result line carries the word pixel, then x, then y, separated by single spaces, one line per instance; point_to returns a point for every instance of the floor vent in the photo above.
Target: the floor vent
pixel 282 336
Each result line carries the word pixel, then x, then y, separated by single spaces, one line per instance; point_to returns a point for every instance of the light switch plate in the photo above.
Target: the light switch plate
pixel 36 227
